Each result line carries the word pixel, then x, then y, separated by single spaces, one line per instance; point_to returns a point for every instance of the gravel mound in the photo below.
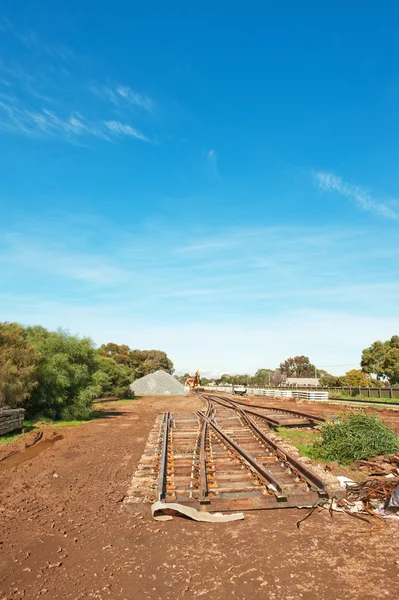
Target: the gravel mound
pixel 158 384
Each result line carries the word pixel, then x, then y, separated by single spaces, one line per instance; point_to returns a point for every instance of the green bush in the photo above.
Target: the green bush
pixel 112 378
pixel 18 360
pixel 355 436
pixel 64 373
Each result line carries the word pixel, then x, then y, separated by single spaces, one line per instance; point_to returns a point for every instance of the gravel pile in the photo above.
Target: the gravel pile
pixel 158 384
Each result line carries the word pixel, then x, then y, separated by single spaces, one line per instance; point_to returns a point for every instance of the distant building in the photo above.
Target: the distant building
pixel 301 382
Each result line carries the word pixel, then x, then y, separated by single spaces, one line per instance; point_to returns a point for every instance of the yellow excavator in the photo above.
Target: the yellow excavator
pixel 193 382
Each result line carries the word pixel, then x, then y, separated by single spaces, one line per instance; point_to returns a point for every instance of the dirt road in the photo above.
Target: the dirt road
pixel 64 532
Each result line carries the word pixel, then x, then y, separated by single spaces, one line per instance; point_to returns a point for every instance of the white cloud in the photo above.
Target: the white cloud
pixel 15 118
pixel 238 347
pixel 122 95
pixel 118 128
pixel 141 100
pixel 30 40
pixel 212 163
pixel 240 299
pixel 55 259
pixel 37 102
pixel 360 196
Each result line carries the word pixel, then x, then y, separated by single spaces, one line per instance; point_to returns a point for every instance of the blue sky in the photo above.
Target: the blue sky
pixel 218 180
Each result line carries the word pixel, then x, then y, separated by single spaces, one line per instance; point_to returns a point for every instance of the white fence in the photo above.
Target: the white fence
pixel 279 393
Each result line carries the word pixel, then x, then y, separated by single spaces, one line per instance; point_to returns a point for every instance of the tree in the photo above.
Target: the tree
pixel 382 360
pixel 330 381
pixel 182 378
pixel 145 362
pixel 356 378
pixel 18 360
pixel 262 377
pixel 119 353
pixel 112 378
pixel 321 373
pixel 224 378
pixel 299 366
pixel 142 362
pixel 64 372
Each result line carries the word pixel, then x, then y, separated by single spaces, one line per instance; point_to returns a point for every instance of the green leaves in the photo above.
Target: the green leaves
pixel 112 378
pixel 142 362
pixel 64 373
pixel 18 360
pixel 300 366
pixel 382 359
pixel 58 375
pixel 354 437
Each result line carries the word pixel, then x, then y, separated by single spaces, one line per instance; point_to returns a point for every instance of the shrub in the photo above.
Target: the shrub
pixel 18 360
pixel 112 378
pixel 355 436
pixel 64 372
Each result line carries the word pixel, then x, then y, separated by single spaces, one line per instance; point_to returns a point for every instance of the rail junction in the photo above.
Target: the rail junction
pixel 225 457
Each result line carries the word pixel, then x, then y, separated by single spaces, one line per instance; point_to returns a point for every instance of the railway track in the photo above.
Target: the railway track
pixel 274 416
pixel 223 458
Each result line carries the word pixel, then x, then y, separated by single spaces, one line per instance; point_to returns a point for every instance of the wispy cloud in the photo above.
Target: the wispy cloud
pixel 212 163
pixel 57 260
pixel 30 40
pixel 14 78
pixel 120 129
pixel 15 118
pixel 359 195
pixel 267 287
pixel 47 100
pixel 123 95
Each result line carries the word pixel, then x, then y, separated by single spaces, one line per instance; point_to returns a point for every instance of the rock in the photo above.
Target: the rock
pixel 331 466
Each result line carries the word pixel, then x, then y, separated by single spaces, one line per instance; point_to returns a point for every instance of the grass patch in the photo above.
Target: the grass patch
pixel 94 415
pixel 303 439
pixel 334 395
pixel 31 425
pixel 355 436
pixel 68 423
pixel 7 438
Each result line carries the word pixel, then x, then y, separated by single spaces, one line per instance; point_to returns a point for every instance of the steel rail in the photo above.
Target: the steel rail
pixel 163 460
pixel 283 410
pixel 270 420
pixel 308 475
pixel 260 470
pixel 203 491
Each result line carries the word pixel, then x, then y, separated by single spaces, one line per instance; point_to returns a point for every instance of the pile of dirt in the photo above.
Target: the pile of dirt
pixel 158 384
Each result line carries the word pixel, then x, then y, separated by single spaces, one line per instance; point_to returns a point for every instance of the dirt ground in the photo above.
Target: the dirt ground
pixel 64 532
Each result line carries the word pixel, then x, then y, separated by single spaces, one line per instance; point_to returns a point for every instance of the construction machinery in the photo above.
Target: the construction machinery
pixel 193 382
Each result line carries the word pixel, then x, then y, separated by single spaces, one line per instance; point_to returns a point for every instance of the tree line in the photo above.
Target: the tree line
pixel 379 366
pixel 57 375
